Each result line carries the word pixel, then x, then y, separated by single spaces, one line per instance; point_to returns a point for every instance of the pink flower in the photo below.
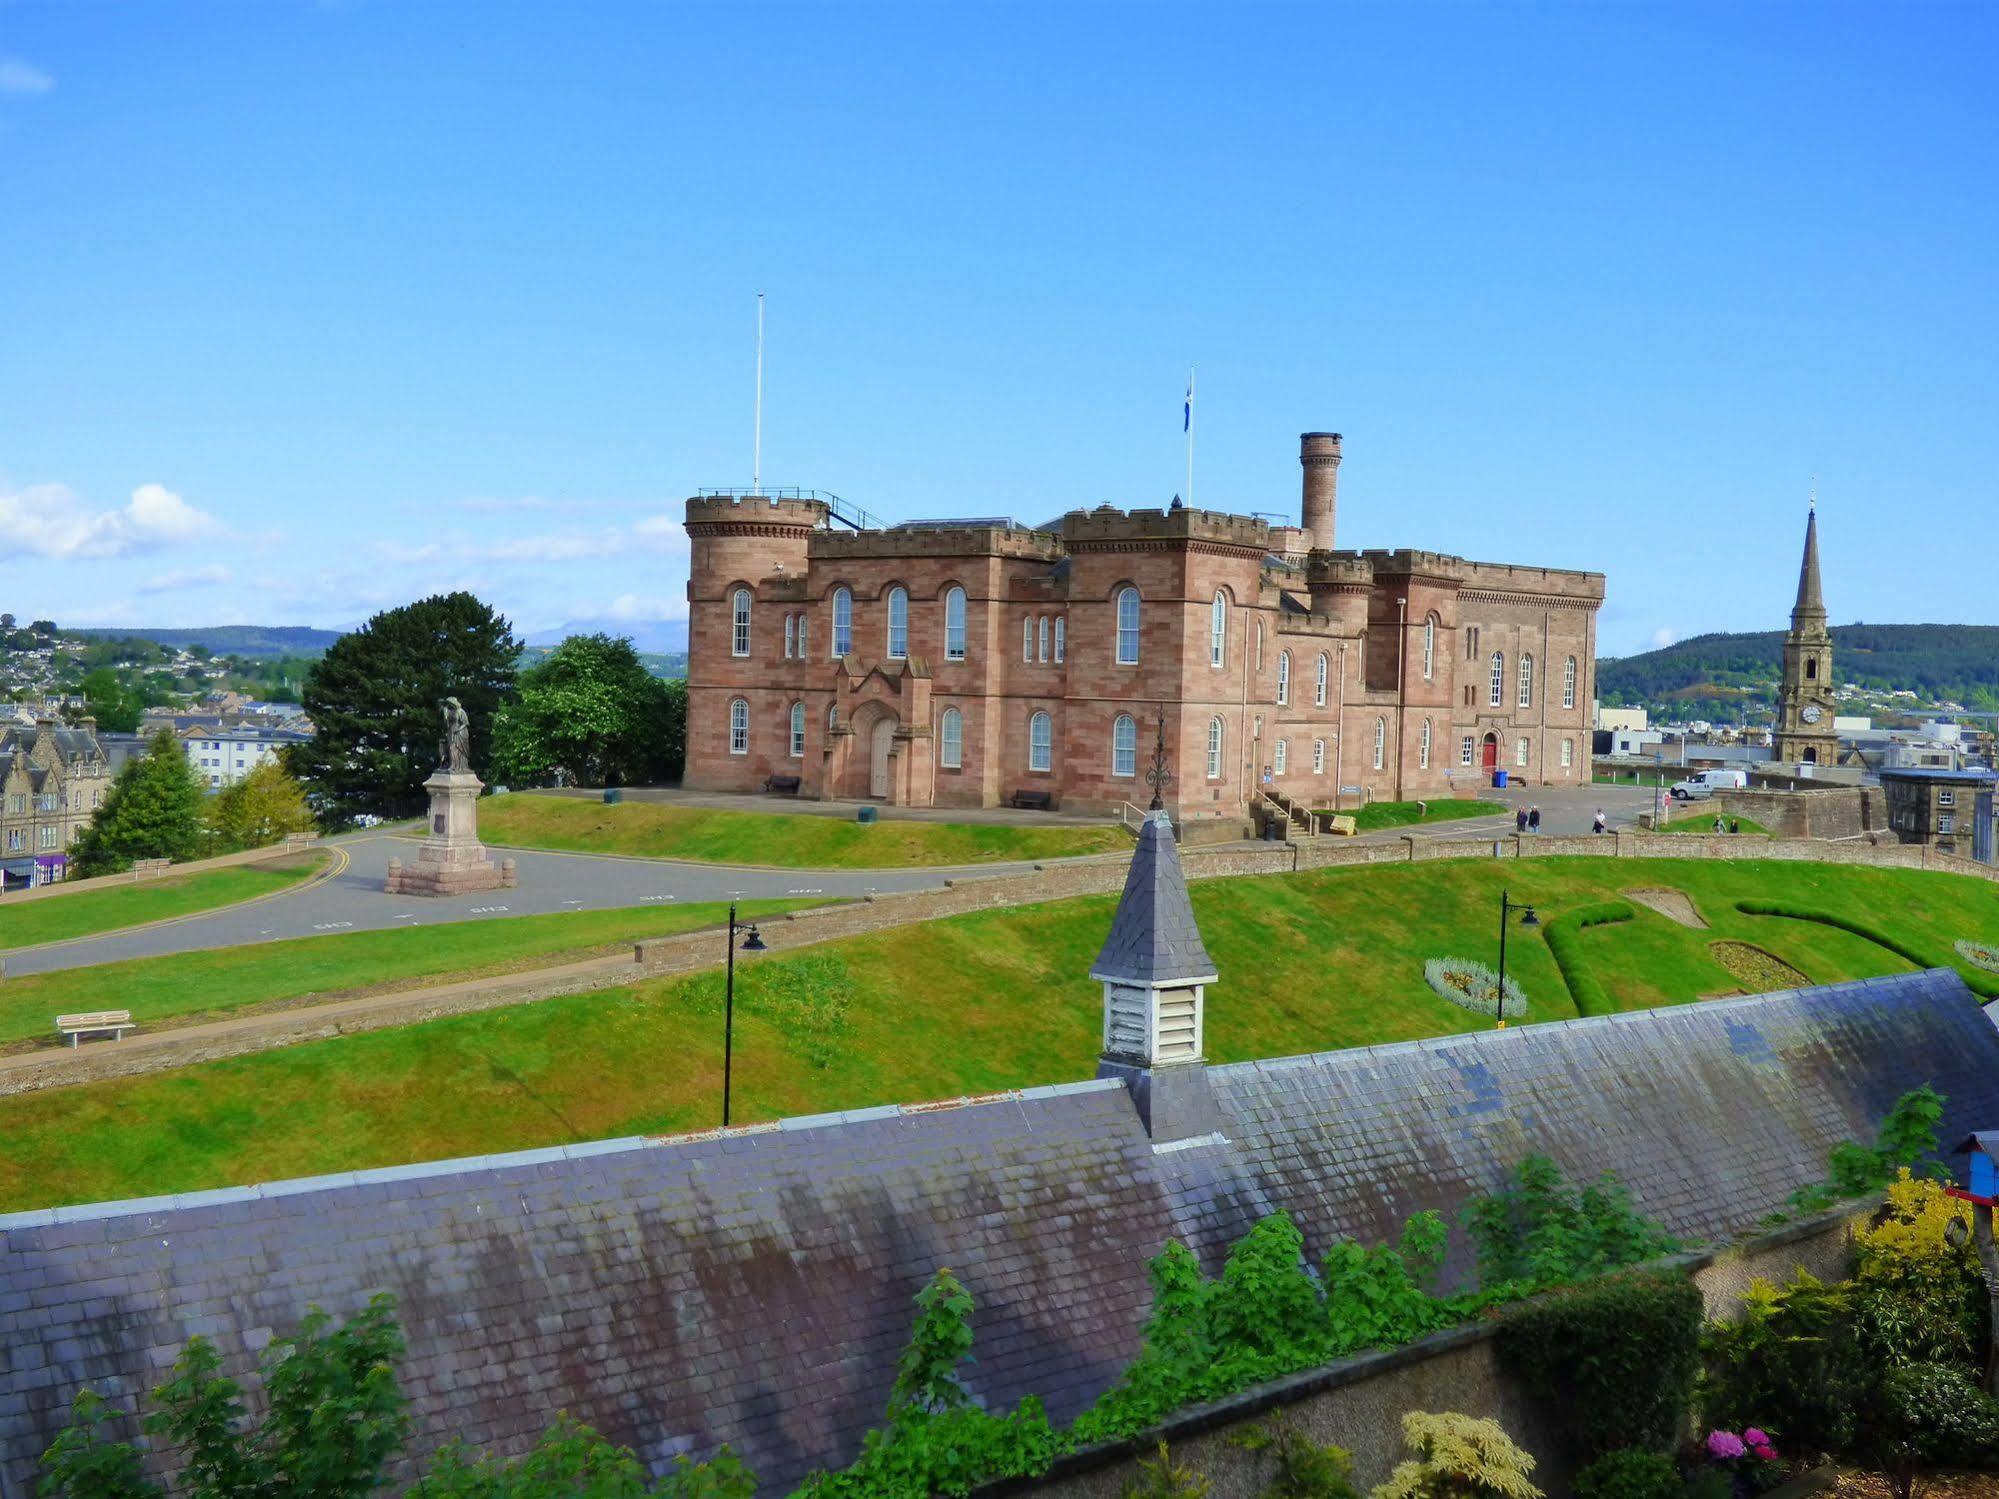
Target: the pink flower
pixel 1725 1446
pixel 1765 1452
pixel 1756 1437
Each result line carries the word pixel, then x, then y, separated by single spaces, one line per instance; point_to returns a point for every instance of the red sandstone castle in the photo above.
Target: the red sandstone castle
pixel 962 663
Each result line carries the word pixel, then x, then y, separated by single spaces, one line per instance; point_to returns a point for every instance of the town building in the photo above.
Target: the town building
pixel 221 753
pixel 1938 807
pixel 53 778
pixel 1805 702
pixel 976 662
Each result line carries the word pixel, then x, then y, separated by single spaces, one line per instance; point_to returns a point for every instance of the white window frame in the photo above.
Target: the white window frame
pixel 1423 747
pixel 739 609
pixel 1429 647
pixel 1280 757
pixel 1380 743
pixel 1319 699
pixel 1498 693
pixel 1318 757
pixel 1467 749
pixel 739 726
pixel 954 624
pixel 1520 752
pixel 1127 604
pixel 1218 631
pixel 1526 679
pixel 951 740
pixel 1059 634
pixel 1283 678
pixel 898 623
pixel 1041 638
pixel 1569 682
pixel 1217 737
pixel 843 622
pixel 798 731
pixel 1040 740
pixel 1124 746
pixel 1027 639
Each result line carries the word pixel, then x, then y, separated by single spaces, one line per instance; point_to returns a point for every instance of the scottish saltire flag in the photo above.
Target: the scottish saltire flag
pixel 1187 412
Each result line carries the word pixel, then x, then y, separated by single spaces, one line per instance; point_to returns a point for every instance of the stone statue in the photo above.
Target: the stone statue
pixel 454 750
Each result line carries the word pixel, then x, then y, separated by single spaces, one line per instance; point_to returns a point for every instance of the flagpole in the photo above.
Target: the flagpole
pixel 1190 437
pixel 757 460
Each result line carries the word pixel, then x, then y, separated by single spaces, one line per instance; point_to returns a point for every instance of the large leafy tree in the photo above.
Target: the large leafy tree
pixel 373 701
pixel 590 713
pixel 111 701
pixel 153 811
pixel 261 808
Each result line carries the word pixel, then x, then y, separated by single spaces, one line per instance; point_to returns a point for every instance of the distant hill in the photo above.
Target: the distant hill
pixel 1727 676
pixel 661 636
pixel 227 640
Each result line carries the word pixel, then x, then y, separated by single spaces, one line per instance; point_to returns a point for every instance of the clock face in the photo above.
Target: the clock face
pixel 1811 714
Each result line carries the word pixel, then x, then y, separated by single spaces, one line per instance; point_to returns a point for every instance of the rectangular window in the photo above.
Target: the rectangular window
pixel 1568 753
pixel 1042 649
pixel 801 636
pixel 1282 747
pixel 1946 798
pixel 1465 750
pixel 790 636
pixel 1946 823
pixel 1058 638
pixel 1027 639
pixel 1318 757
pixel 1520 752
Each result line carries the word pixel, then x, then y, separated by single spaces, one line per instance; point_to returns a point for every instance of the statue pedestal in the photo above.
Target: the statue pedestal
pixel 452 860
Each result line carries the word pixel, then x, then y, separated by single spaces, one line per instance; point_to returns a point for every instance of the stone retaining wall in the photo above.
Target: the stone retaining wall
pixel 1358 1403
pixel 146 870
pixel 1825 812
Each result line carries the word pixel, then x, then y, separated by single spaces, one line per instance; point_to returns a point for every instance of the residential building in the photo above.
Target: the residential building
pixel 1936 807
pixel 965 662
pixel 52 781
pixel 1611 720
pixel 222 754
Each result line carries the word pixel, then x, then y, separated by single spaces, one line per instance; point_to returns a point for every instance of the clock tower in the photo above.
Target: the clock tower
pixel 1804 702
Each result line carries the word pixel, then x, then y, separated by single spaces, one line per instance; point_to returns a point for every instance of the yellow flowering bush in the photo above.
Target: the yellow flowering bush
pixel 1458 1457
pixel 1919 1299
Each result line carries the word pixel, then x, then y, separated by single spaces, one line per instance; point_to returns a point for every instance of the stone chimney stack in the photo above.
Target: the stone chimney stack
pixel 1319 455
pixel 1155 971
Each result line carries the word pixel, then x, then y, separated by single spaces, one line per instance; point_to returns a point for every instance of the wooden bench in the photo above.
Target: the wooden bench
pixel 1033 801
pixel 95 1023
pixel 788 785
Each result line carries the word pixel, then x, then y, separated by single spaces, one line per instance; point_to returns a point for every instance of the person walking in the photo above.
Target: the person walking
pixel 1600 825
pixel 1719 825
pixel 1735 824
pixel 1519 819
pixel 1533 819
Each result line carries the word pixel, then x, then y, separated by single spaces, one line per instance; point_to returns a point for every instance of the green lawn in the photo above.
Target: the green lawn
pixel 57 918
pixel 1378 815
pixel 793 841
pixel 1743 825
pixel 993 1000
pixel 197 986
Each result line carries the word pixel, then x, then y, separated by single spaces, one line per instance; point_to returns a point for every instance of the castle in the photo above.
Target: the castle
pixel 976 662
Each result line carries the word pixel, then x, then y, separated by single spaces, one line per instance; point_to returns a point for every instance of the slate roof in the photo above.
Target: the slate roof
pixel 755 1287
pixel 1154 938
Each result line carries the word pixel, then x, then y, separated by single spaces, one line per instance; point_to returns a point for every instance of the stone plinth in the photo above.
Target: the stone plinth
pixel 452 860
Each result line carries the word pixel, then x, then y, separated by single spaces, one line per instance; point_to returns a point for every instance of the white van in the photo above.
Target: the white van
pixel 1708 782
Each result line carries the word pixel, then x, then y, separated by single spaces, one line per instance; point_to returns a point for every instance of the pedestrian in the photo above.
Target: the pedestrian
pixel 1601 825
pixel 1719 825
pixel 1735 824
pixel 1519 819
pixel 1533 819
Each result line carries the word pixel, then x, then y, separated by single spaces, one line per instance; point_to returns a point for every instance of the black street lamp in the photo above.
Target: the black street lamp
pixel 1529 919
pixel 751 943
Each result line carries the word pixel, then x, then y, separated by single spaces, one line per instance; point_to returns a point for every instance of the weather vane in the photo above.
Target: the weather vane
pixel 1158 776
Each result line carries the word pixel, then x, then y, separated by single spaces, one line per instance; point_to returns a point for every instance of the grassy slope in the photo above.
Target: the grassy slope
pixel 209 985
pixel 1743 825
pixel 1377 815
pixel 794 841
pixel 993 1000
pixel 57 918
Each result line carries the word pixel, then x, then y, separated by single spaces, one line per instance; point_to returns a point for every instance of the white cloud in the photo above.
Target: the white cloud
pixel 51 520
pixel 1661 638
pixel 17 77
pixel 655 534
pixel 632 608
pixel 186 577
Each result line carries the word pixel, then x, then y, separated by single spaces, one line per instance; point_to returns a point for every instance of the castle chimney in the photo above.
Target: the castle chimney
pixel 1319 454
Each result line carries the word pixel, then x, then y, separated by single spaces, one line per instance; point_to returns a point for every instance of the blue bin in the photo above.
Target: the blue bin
pixel 864 814
pixel 1499 778
pixel 612 796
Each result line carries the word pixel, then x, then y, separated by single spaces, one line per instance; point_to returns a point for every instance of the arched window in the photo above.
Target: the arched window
pixel 1282 757
pixel 1423 747
pixel 1569 683
pixel 1058 636
pixel 1218 632
pixel 1027 638
pixel 739 727
pixel 1283 676
pixel 843 622
pixel 1318 757
pixel 1124 746
pixel 954 624
pixel 951 739
pixel 1040 742
pixel 740 646
pixel 1429 647
pixel 1127 627
pixel 1320 696
pixel 1215 732
pixel 801 635
pixel 1811 668
pixel 1380 742
pixel 797 730
pixel 1526 681
pixel 898 623
pixel 832 717
pixel 1041 634
pixel 1498 694
pixel 790 634
pixel 1259 645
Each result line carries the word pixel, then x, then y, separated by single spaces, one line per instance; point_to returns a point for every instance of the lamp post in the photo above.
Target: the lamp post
pixel 1158 777
pixel 752 943
pixel 1507 906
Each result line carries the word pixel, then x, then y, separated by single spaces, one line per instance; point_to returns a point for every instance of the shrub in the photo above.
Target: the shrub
pixel 571 1461
pixel 1458 1457
pixel 1473 986
pixel 1540 1232
pixel 1564 938
pixel 1929 1416
pixel 1792 1364
pixel 1978 954
pixel 1381 1297
pixel 1908 1132
pixel 1620 1355
pixel 1630 1473
pixel 1976 982
pixel 1918 1299
pixel 1162 1478
pixel 1305 1469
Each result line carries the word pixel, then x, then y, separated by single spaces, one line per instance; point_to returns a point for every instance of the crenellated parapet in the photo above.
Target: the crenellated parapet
pixel 1109 527
pixel 938 541
pixel 735 512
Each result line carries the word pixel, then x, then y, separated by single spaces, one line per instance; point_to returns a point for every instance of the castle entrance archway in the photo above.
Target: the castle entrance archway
pixel 880 738
pixel 1489 752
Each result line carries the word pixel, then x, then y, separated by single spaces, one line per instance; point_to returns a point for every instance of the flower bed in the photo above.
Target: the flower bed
pixel 1979 954
pixel 1473 986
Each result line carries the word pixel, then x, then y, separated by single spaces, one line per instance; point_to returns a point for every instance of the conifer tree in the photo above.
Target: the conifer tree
pixel 153 811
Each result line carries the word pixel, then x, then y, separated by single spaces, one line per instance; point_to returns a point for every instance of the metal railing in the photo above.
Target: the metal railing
pixel 844 511
pixel 1131 816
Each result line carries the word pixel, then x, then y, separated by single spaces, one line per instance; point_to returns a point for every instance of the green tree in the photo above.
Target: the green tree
pixel 673 730
pixel 261 808
pixel 153 811
pixel 589 713
pixel 373 699
pixel 107 698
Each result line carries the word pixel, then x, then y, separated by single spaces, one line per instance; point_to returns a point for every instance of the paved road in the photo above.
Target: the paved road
pixel 353 900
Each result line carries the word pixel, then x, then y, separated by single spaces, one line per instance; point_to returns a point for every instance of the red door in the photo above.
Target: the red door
pixel 1489 755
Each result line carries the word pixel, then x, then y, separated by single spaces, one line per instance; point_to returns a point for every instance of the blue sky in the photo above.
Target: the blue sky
pixel 308 309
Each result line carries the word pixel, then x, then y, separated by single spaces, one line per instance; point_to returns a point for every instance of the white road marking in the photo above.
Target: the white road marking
pixel 485 910
pixel 330 926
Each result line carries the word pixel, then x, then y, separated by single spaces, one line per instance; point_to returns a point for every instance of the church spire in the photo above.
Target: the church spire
pixel 1811 600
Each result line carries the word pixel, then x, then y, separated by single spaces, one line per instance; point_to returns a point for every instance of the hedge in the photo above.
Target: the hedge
pixel 1978 983
pixel 1563 936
